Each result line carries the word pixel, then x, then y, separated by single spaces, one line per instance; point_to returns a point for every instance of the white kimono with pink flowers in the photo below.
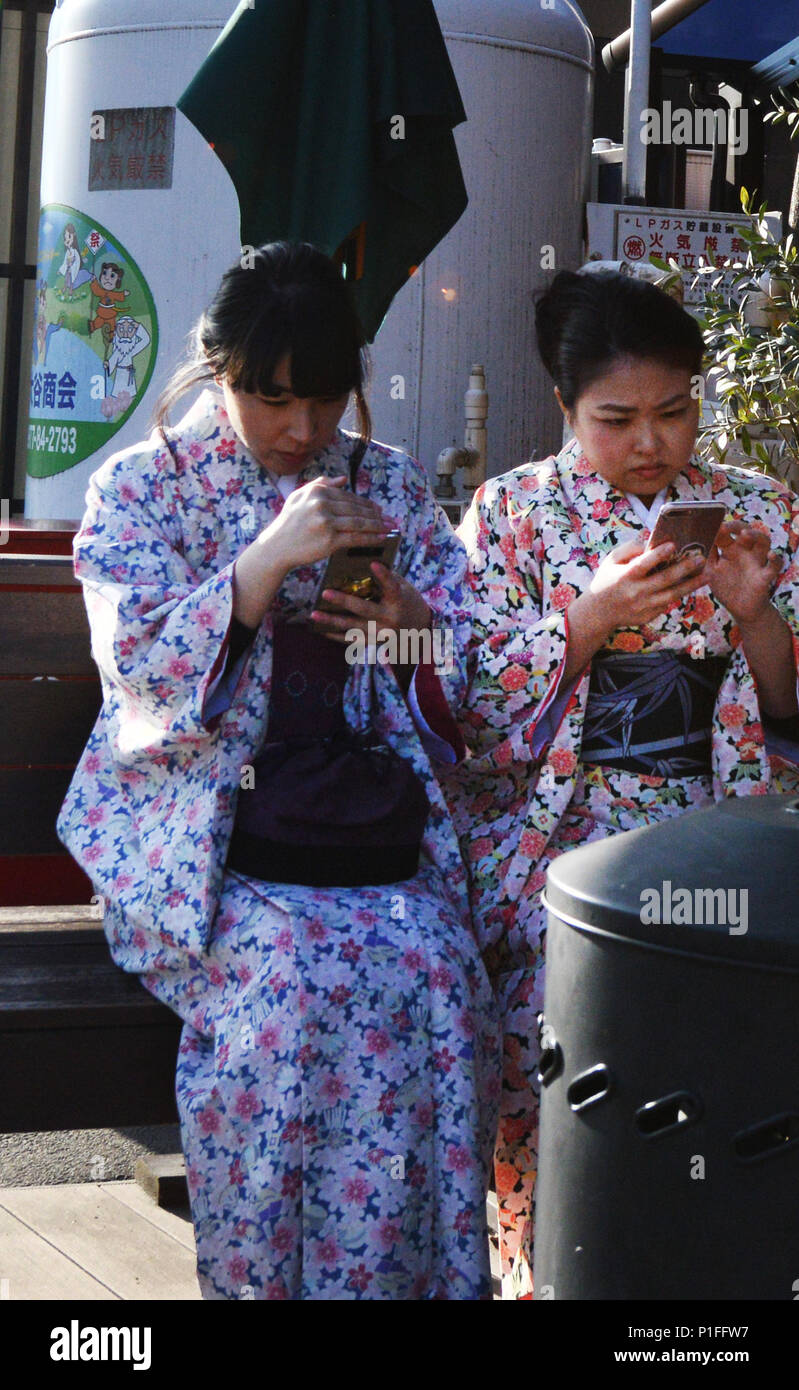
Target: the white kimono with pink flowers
pixel 338 1076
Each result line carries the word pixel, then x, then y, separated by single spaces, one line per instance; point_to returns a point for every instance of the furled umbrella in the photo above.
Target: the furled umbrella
pixel 334 119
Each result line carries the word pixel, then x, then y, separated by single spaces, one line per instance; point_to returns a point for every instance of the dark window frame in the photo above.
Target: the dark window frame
pixel 17 269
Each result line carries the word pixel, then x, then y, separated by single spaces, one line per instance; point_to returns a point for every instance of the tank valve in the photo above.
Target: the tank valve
pixel 447 464
pixel 472 456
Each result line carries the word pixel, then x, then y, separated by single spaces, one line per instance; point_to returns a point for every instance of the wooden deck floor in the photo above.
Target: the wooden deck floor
pixel 97 1242
pixel 93 1241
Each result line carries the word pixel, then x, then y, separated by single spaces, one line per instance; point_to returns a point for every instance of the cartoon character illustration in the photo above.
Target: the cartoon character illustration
pixel 44 330
pixel 71 267
pixel 106 288
pixel 130 338
pixel 41 319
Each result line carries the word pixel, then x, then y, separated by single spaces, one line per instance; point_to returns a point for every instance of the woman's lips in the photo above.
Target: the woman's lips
pixel 297 459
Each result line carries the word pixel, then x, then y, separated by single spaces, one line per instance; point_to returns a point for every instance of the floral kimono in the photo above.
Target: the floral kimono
pixel 339 1071
pixel 535 537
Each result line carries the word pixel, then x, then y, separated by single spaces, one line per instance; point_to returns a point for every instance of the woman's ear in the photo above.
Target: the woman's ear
pixel 566 412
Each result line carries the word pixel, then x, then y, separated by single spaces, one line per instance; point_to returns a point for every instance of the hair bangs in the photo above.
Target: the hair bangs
pixel 252 362
pixel 323 355
pixel 324 347
pixel 291 303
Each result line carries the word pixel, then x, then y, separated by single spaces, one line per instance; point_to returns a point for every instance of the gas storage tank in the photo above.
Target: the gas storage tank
pixel 525 72
pixel 139 220
pixel 127 184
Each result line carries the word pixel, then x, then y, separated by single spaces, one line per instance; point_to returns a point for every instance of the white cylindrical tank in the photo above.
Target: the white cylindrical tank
pixel 525 72
pixel 524 68
pixel 144 195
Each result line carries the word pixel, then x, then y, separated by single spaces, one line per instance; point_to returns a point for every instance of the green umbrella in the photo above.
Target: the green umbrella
pixel 334 120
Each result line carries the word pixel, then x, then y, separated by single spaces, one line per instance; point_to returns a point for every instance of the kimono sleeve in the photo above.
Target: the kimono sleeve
pixel 518 651
pixel 433 559
pixel 158 631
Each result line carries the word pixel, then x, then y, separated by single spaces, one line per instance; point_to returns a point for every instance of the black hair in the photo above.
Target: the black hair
pixel 283 297
pixel 586 322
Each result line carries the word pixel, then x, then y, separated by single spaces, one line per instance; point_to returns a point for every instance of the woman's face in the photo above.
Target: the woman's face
pixel 637 424
pixel 283 431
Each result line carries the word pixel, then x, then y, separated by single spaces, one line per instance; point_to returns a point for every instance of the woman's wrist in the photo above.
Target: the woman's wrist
pixel 767 616
pixel 590 626
pixel 767 643
pixel 258 574
pixel 594 617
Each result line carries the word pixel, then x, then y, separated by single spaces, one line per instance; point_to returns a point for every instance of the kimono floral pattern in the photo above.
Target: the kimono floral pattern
pixel 339 1071
pixel 336 1130
pixel 535 536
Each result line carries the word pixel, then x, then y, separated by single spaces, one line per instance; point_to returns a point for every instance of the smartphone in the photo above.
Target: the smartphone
pixel 692 527
pixel 348 570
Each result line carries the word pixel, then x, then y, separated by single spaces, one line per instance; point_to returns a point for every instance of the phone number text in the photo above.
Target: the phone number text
pixel 53 439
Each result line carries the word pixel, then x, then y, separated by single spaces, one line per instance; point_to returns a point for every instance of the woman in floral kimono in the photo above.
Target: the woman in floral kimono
pixel 339 1070
pixel 609 693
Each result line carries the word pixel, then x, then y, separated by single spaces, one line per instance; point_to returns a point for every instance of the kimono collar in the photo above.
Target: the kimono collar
pixel 208 416
pixel 647 515
pixel 582 485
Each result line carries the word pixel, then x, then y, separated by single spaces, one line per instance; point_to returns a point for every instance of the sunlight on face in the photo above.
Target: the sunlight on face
pixel 637 424
pixel 283 431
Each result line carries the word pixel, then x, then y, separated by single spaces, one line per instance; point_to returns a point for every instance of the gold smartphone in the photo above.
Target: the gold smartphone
pixel 348 571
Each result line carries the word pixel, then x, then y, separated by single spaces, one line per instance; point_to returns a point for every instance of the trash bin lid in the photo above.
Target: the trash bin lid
pixel 723 881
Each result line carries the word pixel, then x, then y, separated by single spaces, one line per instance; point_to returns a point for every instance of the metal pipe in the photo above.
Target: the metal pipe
pixel 616 53
pixel 636 99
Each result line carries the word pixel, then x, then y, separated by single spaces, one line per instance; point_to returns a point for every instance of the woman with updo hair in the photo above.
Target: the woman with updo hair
pixel 612 686
pixel 259 807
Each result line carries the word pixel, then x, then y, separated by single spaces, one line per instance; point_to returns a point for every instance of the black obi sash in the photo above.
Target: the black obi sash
pixel 651 713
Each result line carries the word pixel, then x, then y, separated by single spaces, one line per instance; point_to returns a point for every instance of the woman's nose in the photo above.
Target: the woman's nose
pixel 646 439
pixel 302 424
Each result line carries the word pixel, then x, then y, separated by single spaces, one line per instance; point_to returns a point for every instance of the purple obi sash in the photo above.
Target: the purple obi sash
pixel 328 807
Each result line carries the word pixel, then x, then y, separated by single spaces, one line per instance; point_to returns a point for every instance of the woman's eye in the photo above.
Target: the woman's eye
pixel 673 414
pixel 616 423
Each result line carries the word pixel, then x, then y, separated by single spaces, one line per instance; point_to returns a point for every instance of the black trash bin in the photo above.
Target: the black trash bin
pixel 669 1139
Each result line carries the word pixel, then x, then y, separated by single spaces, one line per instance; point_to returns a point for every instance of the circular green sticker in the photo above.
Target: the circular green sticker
pixel 94 344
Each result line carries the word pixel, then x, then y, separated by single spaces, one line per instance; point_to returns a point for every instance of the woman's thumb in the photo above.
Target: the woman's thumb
pixel 627 550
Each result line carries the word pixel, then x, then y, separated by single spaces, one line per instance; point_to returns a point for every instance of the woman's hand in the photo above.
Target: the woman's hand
pixel 742 576
pixel 321 517
pixel 626 592
pixel 628 588
pixel 317 519
pixel 401 606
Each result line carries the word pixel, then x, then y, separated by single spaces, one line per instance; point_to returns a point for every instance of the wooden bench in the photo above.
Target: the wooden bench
pixel 82 1043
